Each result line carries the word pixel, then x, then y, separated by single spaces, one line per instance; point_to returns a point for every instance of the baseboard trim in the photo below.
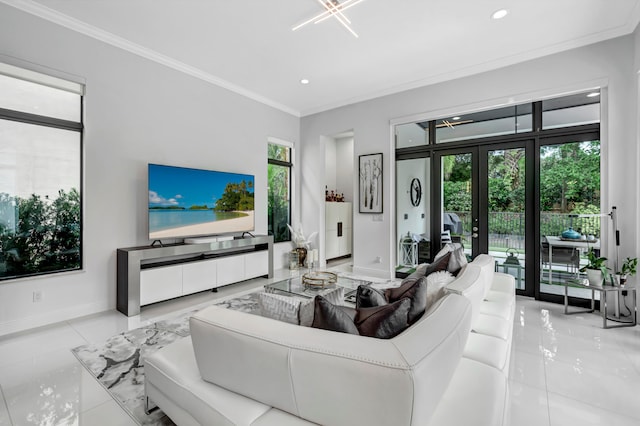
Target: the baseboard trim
pixel 24 324
pixel 378 273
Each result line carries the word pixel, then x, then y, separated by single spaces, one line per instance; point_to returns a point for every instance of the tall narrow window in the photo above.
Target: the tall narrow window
pixel 279 175
pixel 40 174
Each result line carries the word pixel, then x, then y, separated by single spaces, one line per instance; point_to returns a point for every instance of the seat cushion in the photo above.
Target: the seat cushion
pixel 477 395
pixel 501 297
pixel 502 310
pixel 488 350
pixel 275 417
pixel 173 374
pixel 495 326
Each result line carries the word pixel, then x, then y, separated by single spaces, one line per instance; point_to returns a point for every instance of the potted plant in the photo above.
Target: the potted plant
pixel 629 268
pixel 595 268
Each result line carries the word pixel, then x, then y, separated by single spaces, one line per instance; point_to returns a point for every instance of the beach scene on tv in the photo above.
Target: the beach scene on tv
pixel 188 202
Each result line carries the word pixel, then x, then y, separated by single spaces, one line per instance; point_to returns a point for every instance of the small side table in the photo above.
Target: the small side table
pixel 603 290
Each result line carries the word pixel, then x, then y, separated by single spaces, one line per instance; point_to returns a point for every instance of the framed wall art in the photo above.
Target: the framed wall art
pixel 370 183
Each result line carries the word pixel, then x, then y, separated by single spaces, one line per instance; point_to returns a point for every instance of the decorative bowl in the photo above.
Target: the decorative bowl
pixel 571 234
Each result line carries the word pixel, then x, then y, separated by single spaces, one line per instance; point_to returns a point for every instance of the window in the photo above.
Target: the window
pixel 40 174
pixel 279 176
pixel 572 110
pixel 412 134
pixel 495 122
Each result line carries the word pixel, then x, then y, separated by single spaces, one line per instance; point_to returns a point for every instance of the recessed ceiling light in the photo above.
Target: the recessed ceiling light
pixel 593 94
pixel 304 81
pixel 499 14
pixel 456 118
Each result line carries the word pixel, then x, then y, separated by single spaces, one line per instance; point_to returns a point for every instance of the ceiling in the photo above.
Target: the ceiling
pixel 247 45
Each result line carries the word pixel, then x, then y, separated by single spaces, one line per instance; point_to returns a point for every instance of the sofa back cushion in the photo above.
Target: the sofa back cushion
pixel 468 283
pixel 487 268
pixel 334 378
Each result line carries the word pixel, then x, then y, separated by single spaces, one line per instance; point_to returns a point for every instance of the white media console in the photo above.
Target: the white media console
pixel 150 274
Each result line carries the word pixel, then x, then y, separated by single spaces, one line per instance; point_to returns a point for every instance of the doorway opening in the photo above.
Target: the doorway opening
pixel 339 198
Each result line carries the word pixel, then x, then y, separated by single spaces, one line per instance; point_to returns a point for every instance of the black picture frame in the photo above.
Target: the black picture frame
pixel 370 183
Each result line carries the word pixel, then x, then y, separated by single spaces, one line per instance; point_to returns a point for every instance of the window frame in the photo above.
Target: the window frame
pixel 289 165
pixel 54 123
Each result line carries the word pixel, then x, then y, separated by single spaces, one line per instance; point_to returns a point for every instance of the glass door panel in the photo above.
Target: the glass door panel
pixel 456 171
pixel 570 216
pixel 413 223
pixel 506 215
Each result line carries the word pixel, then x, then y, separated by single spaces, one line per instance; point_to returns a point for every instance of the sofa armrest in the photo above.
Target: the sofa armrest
pixel 503 282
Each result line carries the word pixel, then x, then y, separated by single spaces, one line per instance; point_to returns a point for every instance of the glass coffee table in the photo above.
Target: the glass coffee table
pixel 295 286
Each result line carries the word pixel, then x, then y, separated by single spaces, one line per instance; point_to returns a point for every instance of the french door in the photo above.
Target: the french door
pixel 485 201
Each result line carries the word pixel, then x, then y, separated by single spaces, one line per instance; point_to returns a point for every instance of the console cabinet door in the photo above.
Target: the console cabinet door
pixel 161 283
pixel 256 264
pixel 199 276
pixel 230 269
pixel 338 224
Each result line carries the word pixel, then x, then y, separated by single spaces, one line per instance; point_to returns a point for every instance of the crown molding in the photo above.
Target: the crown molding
pixel 628 28
pixel 76 25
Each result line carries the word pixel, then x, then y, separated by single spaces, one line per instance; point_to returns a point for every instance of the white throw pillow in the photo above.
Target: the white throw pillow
pixel 457 261
pixel 296 310
pixel 279 307
pixel 436 283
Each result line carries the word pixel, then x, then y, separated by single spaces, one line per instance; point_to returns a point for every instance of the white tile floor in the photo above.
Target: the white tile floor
pixel 565 370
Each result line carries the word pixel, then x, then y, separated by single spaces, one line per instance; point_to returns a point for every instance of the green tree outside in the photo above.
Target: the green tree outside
pixel 45 236
pixel 569 183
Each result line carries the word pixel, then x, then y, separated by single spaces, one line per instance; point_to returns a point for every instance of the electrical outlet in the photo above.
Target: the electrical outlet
pixel 624 292
pixel 37 296
pixel 378 259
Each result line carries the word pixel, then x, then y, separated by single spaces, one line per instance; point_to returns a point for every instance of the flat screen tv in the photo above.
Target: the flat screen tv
pixel 187 202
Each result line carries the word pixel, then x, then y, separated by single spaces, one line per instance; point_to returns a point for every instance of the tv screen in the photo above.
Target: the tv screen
pixel 187 202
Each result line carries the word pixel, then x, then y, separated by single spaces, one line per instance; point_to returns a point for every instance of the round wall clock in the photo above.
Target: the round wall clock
pixel 416 192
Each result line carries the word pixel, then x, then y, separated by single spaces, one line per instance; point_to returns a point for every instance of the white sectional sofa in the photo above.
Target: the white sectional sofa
pixel 449 368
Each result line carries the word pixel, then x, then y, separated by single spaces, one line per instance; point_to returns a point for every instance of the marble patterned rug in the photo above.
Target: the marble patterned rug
pixel 116 363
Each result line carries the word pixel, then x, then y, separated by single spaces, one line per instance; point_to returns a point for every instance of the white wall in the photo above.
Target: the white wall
pixel 330 165
pixel 609 64
pixel 345 168
pixel 339 166
pixel 414 222
pixel 136 112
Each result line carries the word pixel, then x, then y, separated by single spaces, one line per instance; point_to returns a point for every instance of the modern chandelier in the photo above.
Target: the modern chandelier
pixel 333 9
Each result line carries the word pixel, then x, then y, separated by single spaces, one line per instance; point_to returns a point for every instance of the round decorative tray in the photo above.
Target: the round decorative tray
pixel 319 279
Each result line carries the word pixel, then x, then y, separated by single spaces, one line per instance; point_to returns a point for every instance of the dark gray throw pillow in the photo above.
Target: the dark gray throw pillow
pixel 415 289
pixel 383 322
pixel 439 264
pixel 332 317
pixel 368 297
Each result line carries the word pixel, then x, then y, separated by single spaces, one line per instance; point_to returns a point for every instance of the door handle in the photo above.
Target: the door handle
pixel 474 235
